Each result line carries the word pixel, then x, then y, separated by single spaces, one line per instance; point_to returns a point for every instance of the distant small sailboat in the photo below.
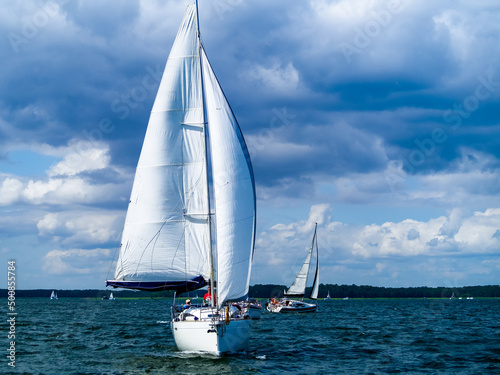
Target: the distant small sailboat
pixel 298 287
pixel 452 295
pixel 111 298
pixel 327 298
pixel 53 295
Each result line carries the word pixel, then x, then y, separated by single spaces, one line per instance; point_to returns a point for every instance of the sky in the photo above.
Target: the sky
pixel 376 119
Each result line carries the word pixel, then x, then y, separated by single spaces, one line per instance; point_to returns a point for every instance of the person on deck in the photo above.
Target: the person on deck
pixel 207 298
pixel 187 305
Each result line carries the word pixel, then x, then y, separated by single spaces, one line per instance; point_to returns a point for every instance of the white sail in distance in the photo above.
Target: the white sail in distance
pixel 298 288
pixel 315 286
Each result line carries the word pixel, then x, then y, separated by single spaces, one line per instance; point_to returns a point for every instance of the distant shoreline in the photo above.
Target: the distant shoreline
pixel 272 290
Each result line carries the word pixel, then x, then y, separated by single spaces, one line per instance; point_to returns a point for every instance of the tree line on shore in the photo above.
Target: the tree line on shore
pixel 367 291
pixel 271 290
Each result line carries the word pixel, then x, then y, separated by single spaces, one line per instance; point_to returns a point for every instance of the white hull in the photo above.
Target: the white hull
pixel 290 306
pixel 196 332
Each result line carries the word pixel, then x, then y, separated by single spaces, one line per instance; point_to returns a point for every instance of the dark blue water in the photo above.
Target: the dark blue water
pixel 79 336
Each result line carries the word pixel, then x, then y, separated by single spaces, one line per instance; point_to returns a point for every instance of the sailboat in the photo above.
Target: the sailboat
pixel 298 288
pixel 53 295
pixel 327 298
pixel 192 212
pixel 111 298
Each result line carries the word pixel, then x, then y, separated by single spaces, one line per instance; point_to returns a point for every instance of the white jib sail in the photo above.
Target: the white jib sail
pixel 298 287
pixel 166 233
pixel 234 192
pixel 315 287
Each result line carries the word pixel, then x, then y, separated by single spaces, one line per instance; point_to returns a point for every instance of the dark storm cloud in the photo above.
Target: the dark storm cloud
pixel 414 69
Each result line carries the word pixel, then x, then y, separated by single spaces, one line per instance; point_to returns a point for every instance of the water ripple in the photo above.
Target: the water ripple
pixel 344 337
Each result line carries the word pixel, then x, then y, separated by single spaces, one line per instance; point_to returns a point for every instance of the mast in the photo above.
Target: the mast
pixel 205 123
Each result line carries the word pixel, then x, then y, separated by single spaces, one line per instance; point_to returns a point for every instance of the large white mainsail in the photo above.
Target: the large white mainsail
pixel 166 238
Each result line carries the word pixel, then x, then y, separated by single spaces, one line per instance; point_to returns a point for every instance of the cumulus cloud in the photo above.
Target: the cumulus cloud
pixel 69 180
pixel 88 228
pixel 82 157
pixel 478 233
pixel 381 249
pixel 10 191
pixel 473 235
pixel 76 261
pixel 407 238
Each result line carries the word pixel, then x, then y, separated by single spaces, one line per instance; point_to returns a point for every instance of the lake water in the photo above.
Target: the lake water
pixel 90 336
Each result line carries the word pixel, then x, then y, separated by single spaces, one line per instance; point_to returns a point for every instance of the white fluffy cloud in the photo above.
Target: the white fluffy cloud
pixel 476 234
pixel 82 157
pixel 10 191
pixel 82 228
pixel 76 261
pixel 427 249
pixel 67 181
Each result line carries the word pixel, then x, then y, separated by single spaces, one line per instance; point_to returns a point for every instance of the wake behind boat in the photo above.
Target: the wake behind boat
pixel 298 288
pixel 191 215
